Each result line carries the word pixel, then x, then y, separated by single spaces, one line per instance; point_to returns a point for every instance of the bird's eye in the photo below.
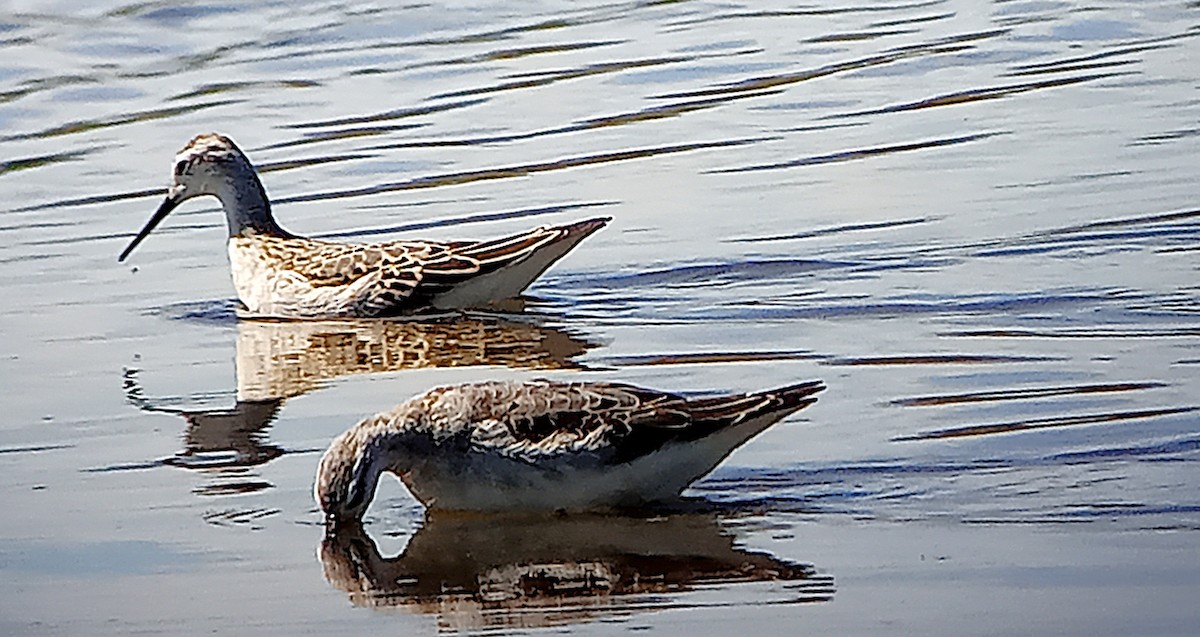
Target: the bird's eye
pixel 181 166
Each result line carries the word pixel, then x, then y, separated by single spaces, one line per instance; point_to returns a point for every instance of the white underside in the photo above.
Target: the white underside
pixel 504 283
pixel 271 292
pixel 487 482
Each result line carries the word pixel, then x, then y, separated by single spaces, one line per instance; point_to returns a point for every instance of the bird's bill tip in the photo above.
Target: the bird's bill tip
pixel 170 203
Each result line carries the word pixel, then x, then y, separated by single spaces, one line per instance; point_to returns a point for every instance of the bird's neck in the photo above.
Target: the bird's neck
pixel 385 441
pixel 247 208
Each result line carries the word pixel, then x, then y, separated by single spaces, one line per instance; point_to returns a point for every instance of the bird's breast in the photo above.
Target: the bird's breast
pixel 255 277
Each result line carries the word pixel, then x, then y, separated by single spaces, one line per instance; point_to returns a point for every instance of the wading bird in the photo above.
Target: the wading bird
pixel 279 274
pixel 544 445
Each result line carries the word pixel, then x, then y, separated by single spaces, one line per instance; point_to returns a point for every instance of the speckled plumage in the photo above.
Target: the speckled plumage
pixel 280 274
pixel 544 445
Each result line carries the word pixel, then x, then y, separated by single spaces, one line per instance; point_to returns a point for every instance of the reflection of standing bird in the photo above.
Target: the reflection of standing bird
pixel 289 358
pixel 280 274
pixel 544 445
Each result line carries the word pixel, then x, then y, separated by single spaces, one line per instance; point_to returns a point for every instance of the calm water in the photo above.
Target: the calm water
pixel 977 223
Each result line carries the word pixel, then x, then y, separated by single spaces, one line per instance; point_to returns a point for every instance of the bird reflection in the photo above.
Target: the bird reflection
pixel 278 360
pixel 281 359
pixel 487 572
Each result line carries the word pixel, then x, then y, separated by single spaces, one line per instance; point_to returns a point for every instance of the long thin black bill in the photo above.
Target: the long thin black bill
pixel 165 209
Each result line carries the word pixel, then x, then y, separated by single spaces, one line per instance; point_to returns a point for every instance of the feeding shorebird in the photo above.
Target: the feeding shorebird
pixel 279 274
pixel 544 445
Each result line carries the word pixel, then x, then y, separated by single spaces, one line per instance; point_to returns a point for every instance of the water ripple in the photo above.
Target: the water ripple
pixel 979 94
pixel 1025 393
pixel 88 125
pixel 519 170
pixel 861 153
pixel 950 44
pixel 1046 423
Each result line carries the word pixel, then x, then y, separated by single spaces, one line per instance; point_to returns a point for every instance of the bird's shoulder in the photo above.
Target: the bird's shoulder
pixel 534 419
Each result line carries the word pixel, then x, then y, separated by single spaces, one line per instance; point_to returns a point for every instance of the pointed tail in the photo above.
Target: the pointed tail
pixel 737 408
pixel 508 250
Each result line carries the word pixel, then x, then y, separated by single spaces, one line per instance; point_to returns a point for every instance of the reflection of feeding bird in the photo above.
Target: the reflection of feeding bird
pixel 280 274
pixel 478 572
pixel 544 445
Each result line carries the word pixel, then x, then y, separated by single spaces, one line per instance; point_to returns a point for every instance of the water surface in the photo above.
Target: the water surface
pixel 977 223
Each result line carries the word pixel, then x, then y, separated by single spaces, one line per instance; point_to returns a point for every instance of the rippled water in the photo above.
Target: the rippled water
pixel 976 223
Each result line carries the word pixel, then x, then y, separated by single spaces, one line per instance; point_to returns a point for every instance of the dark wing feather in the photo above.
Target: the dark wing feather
pixel 612 421
pixel 485 256
pixel 724 411
pixel 514 248
pixel 702 417
pixel 538 419
pixel 558 407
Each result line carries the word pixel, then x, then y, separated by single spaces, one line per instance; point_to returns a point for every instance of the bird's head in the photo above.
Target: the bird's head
pixel 346 477
pixel 210 165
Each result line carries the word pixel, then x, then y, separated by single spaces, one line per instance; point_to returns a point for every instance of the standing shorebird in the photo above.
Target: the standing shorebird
pixel 279 274
pixel 543 445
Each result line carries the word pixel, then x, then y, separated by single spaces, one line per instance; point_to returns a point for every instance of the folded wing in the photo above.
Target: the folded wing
pixel 382 277
pixel 612 421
